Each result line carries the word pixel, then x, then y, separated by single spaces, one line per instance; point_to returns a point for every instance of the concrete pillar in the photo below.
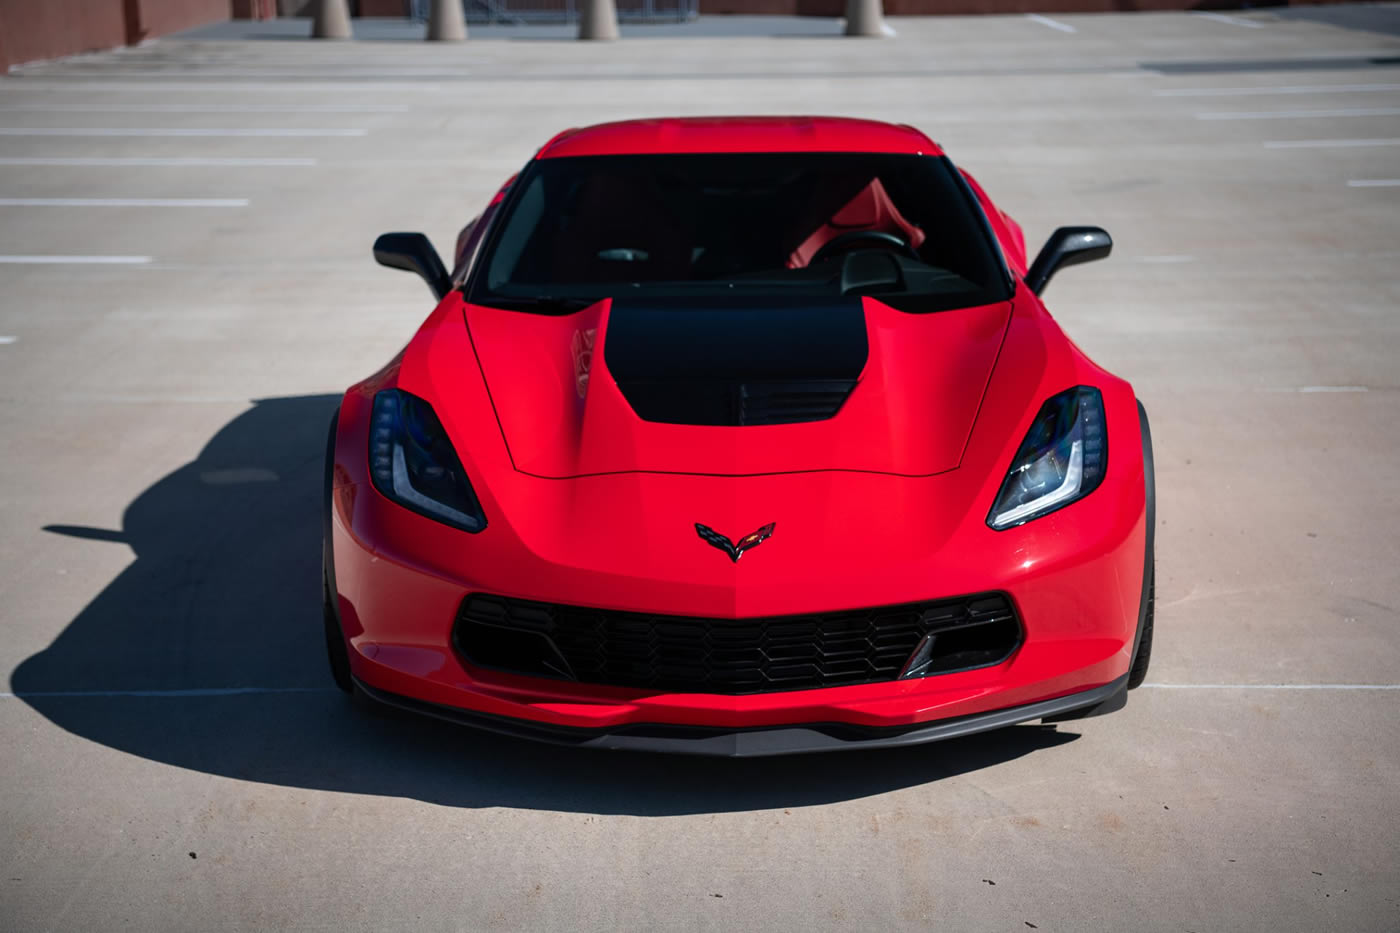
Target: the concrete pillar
pixel 332 20
pixel 597 19
pixel 865 18
pixel 446 22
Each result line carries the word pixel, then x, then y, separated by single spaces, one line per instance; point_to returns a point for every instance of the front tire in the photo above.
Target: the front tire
pixel 337 654
pixel 1138 672
pixel 1142 653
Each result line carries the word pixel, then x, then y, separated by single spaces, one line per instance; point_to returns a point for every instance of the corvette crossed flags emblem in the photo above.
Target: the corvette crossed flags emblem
pixel 735 549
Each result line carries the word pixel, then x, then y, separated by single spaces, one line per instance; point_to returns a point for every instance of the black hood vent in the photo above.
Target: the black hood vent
pixel 687 363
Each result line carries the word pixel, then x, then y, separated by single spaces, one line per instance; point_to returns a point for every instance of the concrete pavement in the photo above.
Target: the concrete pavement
pixel 176 758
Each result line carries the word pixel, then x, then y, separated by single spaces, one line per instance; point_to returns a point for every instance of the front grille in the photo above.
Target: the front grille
pixel 728 656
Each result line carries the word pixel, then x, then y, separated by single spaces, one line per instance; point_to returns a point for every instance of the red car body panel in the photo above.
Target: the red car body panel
pixel 885 503
pixel 738 134
pixel 563 416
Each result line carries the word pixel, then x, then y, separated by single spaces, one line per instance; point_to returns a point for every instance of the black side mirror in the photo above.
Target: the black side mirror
pixel 1067 246
pixel 413 252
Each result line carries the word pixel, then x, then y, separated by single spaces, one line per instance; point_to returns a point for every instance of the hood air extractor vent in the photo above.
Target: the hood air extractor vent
pixel 755 366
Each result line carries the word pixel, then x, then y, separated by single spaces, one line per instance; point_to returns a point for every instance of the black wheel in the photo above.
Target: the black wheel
pixel 337 655
pixel 1138 673
pixel 1142 654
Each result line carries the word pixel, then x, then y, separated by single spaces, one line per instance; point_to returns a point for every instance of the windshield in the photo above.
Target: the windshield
pixel 740 226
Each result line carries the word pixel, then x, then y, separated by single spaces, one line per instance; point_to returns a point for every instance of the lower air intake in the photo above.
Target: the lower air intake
pixel 680 654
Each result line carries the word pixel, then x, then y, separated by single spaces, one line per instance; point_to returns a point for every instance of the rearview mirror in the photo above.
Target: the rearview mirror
pixel 1067 246
pixel 413 252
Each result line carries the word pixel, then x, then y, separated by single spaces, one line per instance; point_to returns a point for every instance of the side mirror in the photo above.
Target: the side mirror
pixel 1067 246
pixel 413 252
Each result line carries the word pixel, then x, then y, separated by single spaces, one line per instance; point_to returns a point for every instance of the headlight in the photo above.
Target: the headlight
pixel 412 462
pixel 1062 459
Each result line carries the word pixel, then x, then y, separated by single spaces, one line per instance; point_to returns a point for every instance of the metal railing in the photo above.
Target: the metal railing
pixel 521 12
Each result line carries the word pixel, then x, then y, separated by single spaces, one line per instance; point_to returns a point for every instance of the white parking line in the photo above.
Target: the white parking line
pixel 1284 89
pixel 313 72
pixel 193 692
pixel 1299 114
pixel 76 260
pixel 1329 143
pixel 171 161
pixel 1052 23
pixel 5 340
pixel 124 202
pixel 1374 183
pixel 1315 389
pixel 204 108
pixel 285 87
pixel 1233 21
pixel 174 131
pixel 1273 686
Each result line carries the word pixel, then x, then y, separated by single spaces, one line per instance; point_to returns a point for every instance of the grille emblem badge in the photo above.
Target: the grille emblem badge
pixel 735 549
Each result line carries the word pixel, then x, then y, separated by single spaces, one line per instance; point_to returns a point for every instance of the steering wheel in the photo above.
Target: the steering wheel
pixel 869 239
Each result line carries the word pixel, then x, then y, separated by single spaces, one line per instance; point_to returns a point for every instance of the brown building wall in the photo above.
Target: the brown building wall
pixel 50 28
pixel 35 29
pixel 162 17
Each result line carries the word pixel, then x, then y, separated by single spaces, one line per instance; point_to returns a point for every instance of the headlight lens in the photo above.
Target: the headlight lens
pixel 412 462
pixel 1062 459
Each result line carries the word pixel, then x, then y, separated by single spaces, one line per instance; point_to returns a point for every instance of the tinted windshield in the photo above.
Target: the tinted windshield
pixel 734 226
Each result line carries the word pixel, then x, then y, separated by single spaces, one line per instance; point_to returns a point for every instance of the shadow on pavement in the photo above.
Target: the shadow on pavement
pixel 224 594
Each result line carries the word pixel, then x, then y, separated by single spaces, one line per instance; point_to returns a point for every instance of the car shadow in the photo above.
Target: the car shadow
pixel 218 619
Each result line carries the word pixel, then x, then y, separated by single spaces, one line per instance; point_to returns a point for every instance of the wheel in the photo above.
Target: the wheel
pixel 1138 672
pixel 1142 654
pixel 337 655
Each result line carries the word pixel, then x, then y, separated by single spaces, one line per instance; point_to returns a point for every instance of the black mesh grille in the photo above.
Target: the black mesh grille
pixel 681 654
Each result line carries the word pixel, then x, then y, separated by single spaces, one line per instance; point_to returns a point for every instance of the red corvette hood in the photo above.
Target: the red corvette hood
pixel 565 413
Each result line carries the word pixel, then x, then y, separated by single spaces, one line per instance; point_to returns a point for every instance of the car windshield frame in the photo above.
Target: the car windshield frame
pixel 955 200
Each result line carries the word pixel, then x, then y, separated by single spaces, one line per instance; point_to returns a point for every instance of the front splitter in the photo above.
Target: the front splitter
pixel 759 741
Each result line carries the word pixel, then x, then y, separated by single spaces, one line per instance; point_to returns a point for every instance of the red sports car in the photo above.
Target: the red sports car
pixel 740 436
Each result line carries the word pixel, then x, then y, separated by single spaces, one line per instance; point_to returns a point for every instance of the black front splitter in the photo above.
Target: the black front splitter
pixel 762 741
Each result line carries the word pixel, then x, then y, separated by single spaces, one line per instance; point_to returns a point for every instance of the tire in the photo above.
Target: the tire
pixel 1138 672
pixel 1142 651
pixel 337 654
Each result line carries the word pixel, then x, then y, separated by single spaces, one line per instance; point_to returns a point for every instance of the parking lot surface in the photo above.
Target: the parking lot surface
pixel 186 285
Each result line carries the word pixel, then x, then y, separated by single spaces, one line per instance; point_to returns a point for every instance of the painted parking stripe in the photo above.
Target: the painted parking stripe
pixel 7 340
pixel 176 131
pixel 314 71
pixel 1299 114
pixel 1374 183
pixel 1283 89
pixel 1231 20
pixel 237 87
pixel 163 161
pixel 203 108
pixel 76 260
pixel 1052 23
pixel 173 694
pixel 1329 143
pixel 124 202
